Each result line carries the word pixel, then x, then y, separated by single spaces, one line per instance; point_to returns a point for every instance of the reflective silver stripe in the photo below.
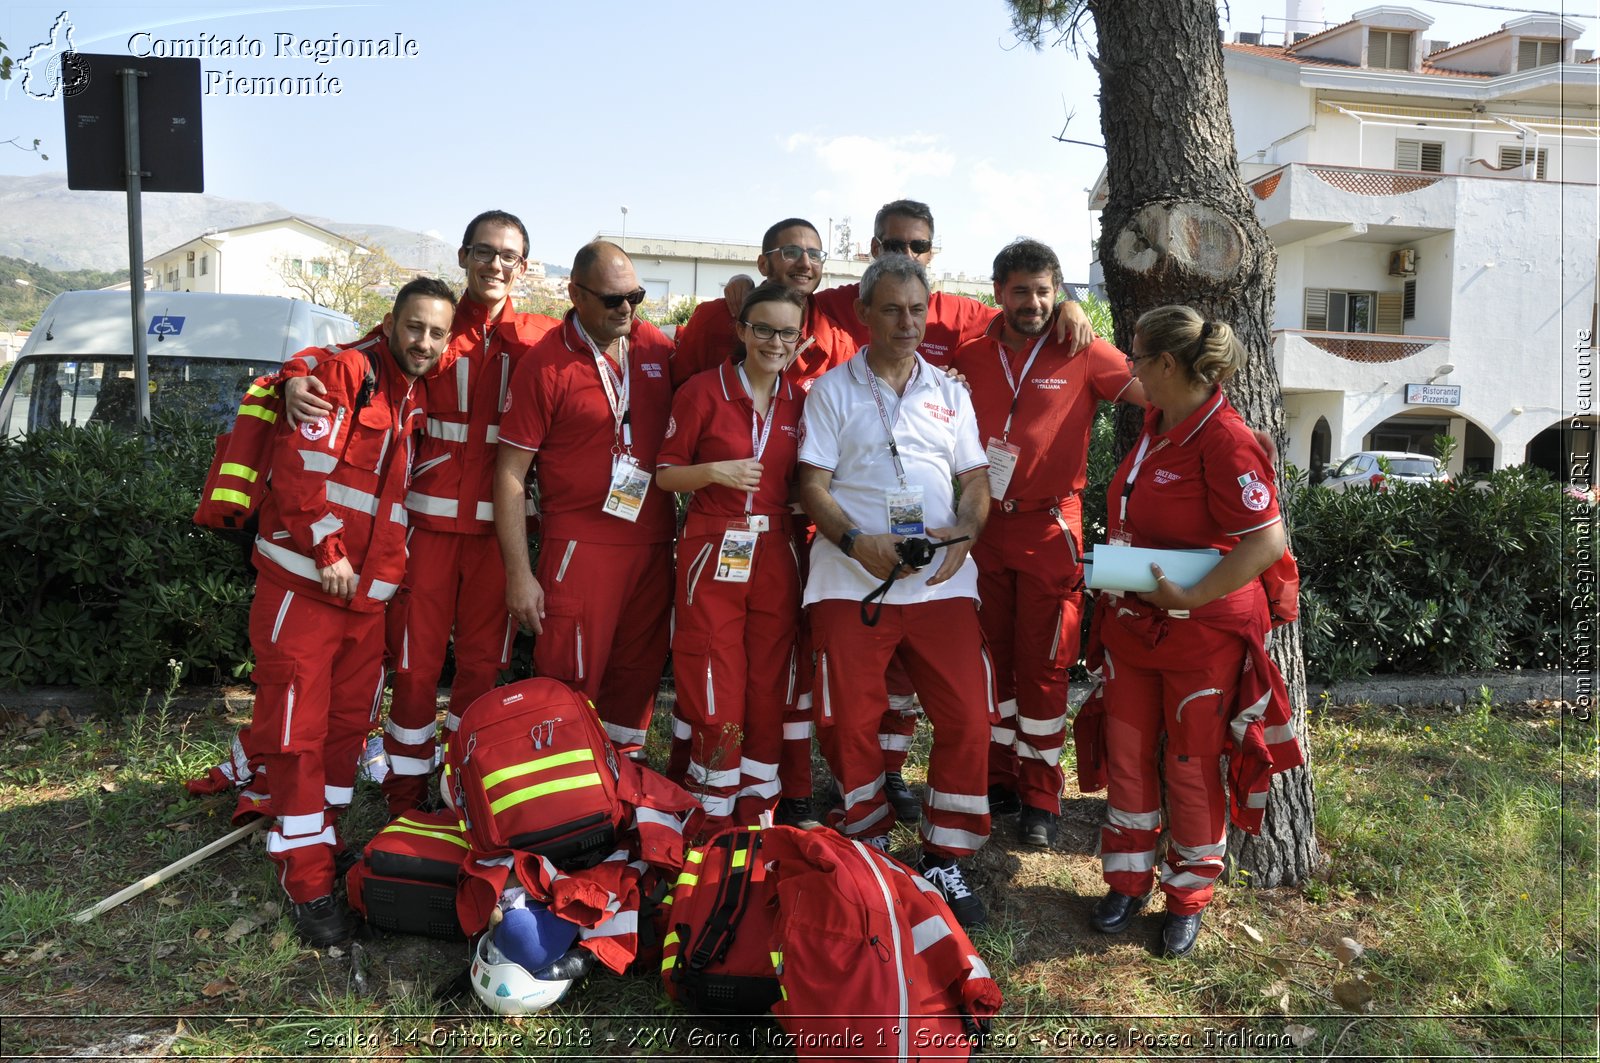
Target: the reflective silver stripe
pixel 277 627
pixel 383 451
pixel 1187 880
pixel 625 735
pixel 452 723
pixel 492 434
pixel 485 511
pixel 758 769
pixel 822 676
pixel 319 461
pixel 1050 754
pixel 430 463
pixel 449 431
pixel 298 564
pixel 988 681
pixel 1257 800
pixel 397 514
pixel 351 498
pixel 1008 708
pixel 864 793
pixel 762 790
pixel 1279 734
pixel 1248 715
pixel 1055 636
pixel 432 505
pixel 699 773
pixel 904 704
pixel 325 526
pixel 803 702
pixel 695 568
pixel 410 765
pixel 979 968
pixel 566 559
pixel 681 729
pixel 1178 712
pixel 338 796
pixel 930 930
pixel 1042 727
pixel 951 838
pixel 1133 820
pixel 277 843
pixel 618 925
pixel 463 368
pixel 410 736
pixel 642 816
pixel 382 591
pixel 969 804
pixel 797 732
pixel 299 826
pixel 1145 861
pixel 1199 853
pixel 711 693
pixel 794 654
pixel 1002 736
pixel 715 805
pixel 898 743
pixel 879 813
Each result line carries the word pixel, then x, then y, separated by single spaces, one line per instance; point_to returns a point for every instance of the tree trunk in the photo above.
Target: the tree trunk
pixel 1179 228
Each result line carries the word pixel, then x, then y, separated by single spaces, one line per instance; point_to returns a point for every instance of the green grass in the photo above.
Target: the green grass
pixel 1460 848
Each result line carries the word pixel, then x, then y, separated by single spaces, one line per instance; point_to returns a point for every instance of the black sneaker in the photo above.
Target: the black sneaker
pixel 907 805
pixel 945 875
pixel 323 922
pixel 1038 827
pixel 1003 801
pixel 796 812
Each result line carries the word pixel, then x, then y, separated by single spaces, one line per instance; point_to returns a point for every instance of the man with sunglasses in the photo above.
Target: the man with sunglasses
pixel 792 255
pixel 455 582
pixel 588 410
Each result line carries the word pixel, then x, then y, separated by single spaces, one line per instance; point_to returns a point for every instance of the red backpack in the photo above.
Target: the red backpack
pixel 530 768
pixel 406 879
pixel 717 952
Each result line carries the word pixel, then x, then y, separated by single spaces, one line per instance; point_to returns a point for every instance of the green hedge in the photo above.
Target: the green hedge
pixel 103 579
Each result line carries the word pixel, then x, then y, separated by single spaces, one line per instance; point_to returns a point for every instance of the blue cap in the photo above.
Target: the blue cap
pixel 534 936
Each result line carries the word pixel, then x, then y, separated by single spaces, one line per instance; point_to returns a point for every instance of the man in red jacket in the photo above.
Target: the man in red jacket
pixel 330 554
pixel 588 410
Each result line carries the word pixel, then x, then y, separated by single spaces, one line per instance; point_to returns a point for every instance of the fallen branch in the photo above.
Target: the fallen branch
pixel 156 878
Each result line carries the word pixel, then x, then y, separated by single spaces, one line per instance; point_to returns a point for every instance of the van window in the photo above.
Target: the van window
pixel 56 391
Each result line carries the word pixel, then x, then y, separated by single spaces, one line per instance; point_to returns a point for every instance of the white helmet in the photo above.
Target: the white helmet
pixel 507 988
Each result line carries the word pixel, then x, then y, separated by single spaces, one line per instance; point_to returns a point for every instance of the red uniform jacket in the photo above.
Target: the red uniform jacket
pixel 339 482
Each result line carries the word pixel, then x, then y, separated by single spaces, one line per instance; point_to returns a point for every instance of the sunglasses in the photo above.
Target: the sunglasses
pixel 792 253
pixel 901 247
pixel 611 302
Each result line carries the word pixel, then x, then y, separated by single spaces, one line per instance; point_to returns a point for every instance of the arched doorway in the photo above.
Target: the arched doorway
pixel 1565 450
pixel 1415 433
pixel 1321 448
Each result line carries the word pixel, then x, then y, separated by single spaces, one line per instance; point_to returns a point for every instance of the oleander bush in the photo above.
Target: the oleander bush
pixel 103 578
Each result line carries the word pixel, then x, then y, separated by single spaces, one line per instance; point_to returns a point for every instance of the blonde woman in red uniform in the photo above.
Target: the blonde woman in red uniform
pixel 732 440
pixel 1173 656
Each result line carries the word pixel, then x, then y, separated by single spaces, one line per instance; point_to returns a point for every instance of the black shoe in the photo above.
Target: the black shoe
pixel 576 963
pixel 1003 801
pixel 1179 933
pixel 946 877
pixel 1115 911
pixel 796 812
pixel 907 805
pixel 1038 827
pixel 323 922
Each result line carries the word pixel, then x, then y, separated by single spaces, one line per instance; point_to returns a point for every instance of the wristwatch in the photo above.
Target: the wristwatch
pixel 847 541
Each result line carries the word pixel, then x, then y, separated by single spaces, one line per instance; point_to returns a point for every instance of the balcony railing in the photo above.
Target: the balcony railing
pixel 1360 180
pixel 1366 348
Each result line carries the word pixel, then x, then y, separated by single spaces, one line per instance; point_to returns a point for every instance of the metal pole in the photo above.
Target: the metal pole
pixel 130 136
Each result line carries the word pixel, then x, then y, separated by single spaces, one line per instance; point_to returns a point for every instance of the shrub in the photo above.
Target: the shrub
pixel 103 578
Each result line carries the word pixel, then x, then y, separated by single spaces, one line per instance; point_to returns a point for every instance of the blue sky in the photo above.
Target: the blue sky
pixel 707 119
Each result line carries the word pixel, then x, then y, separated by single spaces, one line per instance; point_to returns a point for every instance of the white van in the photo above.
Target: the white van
pixel 76 367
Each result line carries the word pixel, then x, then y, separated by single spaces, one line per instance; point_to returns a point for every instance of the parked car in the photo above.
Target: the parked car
pixel 76 367
pixel 1372 468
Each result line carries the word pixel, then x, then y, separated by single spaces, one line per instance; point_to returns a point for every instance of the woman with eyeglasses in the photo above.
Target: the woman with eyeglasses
pixel 733 441
pixel 1177 659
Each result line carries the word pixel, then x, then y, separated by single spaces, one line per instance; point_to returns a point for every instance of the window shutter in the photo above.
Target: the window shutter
pixel 1408 155
pixel 1316 309
pixel 1537 53
pixel 1390 308
pixel 1338 311
pixel 1409 301
pixel 1432 156
pixel 1513 155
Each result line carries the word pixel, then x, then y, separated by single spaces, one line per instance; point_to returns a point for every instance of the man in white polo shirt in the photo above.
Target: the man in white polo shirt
pixel 884 437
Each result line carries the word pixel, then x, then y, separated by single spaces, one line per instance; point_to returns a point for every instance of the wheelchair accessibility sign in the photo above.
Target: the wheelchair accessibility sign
pixel 162 325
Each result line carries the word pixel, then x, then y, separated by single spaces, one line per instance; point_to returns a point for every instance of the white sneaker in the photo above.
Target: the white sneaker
pixel 879 842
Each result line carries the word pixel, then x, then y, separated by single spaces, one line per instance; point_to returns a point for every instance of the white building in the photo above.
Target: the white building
pixel 252 259
pixel 1434 211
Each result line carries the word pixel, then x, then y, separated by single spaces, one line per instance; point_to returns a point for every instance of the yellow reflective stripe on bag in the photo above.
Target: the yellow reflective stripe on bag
pixel 544 789
pixel 243 472
pixel 238 498
pixel 528 767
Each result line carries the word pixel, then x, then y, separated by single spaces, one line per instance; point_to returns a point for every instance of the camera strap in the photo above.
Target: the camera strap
pixel 874 601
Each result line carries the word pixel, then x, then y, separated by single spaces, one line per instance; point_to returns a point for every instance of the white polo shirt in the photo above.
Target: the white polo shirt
pixel 936 433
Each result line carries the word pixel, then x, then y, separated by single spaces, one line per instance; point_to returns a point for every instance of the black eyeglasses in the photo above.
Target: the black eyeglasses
pixel 766 332
pixel 485 254
pixel 901 247
pixel 792 253
pixel 1135 359
pixel 611 302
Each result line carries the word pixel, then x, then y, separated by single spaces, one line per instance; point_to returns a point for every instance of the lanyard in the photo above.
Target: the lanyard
pixel 883 416
pixel 1145 451
pixel 616 390
pixel 1014 382
pixel 758 440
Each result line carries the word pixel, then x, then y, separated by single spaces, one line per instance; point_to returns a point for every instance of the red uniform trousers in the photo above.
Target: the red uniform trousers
pixel 899 722
pixel 1029 577
pixel 1182 687
pixel 941 645
pixel 319 678
pixel 606 614
pixel 456 583
pixel 733 659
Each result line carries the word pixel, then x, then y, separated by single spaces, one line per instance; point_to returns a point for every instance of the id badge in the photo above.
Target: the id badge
pixel 628 486
pixel 735 555
pixel 1002 465
pixel 906 512
pixel 1119 539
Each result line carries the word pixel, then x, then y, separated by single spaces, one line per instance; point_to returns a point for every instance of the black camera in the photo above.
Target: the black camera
pixel 915 552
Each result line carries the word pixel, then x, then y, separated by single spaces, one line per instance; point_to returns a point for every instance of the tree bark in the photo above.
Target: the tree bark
pixel 1179 227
